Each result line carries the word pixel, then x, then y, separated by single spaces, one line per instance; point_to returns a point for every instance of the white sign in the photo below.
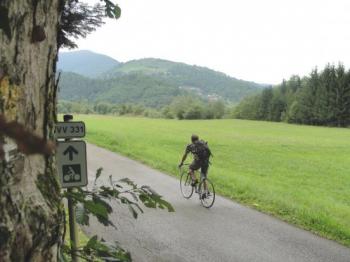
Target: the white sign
pixel 71 163
pixel 69 129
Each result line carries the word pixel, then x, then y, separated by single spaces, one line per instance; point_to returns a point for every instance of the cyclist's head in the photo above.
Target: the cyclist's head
pixel 194 138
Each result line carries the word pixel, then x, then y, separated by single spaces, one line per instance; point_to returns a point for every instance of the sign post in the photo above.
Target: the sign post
pixel 73 231
pixel 70 130
pixel 71 162
pixel 72 168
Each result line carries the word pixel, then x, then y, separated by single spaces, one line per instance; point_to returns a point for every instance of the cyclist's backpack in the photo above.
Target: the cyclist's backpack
pixel 203 150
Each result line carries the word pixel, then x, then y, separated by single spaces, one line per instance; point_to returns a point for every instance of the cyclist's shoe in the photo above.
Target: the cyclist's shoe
pixel 205 195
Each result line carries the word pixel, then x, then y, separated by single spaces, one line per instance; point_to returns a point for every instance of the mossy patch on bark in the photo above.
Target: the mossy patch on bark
pixel 9 95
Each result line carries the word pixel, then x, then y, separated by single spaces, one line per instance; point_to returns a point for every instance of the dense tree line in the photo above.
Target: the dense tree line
pixel 181 107
pixel 187 107
pixel 322 98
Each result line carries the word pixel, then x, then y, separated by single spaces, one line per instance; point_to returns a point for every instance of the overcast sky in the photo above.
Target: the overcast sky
pixel 256 40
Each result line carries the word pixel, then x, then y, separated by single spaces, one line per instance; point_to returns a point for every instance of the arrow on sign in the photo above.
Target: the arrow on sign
pixel 70 150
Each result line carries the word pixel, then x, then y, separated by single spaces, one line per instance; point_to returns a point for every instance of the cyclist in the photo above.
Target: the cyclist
pixel 201 154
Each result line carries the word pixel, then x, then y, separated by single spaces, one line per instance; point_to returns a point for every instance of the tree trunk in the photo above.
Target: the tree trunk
pixel 30 206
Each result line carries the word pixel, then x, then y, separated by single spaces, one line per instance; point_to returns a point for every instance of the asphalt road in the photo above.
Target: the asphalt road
pixel 226 232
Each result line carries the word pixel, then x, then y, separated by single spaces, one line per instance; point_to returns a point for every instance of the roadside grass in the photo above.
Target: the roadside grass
pixel 300 174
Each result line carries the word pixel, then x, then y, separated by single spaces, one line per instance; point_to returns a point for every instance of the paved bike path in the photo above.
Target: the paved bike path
pixel 226 232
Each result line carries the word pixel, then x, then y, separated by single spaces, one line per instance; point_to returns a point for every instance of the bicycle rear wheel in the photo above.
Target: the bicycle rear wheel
pixel 207 197
pixel 185 184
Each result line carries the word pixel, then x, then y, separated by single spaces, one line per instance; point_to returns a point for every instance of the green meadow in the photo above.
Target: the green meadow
pixel 300 174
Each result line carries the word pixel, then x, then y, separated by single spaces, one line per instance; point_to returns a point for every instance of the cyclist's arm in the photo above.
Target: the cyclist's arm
pixel 184 158
pixel 187 150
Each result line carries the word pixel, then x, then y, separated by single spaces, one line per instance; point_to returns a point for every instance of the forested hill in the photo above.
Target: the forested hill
pixel 85 63
pixel 130 88
pixel 190 77
pixel 151 82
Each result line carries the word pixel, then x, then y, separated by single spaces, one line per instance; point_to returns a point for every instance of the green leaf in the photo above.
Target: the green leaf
pixel 82 215
pixel 91 243
pixel 98 174
pixel 132 210
pixel 133 195
pixel 99 200
pixel 64 253
pixel 166 204
pixel 98 249
pixel 147 201
pixel 112 10
pixel 108 192
pixel 128 182
pixel 148 189
pixel 117 12
pixel 96 208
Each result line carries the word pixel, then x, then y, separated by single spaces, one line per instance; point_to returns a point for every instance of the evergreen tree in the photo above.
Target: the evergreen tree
pixel 340 97
pixel 320 99
pixel 264 105
pixel 307 99
pixel 323 110
pixel 277 107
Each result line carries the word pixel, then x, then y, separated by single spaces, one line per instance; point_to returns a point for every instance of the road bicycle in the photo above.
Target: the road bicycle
pixel 207 197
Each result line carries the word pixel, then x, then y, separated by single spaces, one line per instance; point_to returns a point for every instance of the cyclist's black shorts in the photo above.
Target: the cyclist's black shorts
pixel 200 164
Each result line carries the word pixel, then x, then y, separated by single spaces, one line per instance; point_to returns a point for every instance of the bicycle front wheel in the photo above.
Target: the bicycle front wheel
pixel 185 184
pixel 207 195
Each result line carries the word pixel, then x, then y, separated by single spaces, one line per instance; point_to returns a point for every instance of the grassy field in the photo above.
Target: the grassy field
pixel 298 173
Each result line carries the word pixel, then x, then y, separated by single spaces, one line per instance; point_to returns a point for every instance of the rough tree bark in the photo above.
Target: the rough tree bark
pixel 30 207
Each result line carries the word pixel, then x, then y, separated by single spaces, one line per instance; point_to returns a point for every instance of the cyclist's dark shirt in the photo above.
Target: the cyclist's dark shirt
pixel 193 148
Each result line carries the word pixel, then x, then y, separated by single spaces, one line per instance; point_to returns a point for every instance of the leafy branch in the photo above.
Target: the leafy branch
pixel 78 19
pixel 97 203
pixel 99 250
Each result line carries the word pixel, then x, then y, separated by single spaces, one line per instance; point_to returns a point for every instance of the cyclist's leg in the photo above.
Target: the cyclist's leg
pixel 195 165
pixel 192 174
pixel 204 173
